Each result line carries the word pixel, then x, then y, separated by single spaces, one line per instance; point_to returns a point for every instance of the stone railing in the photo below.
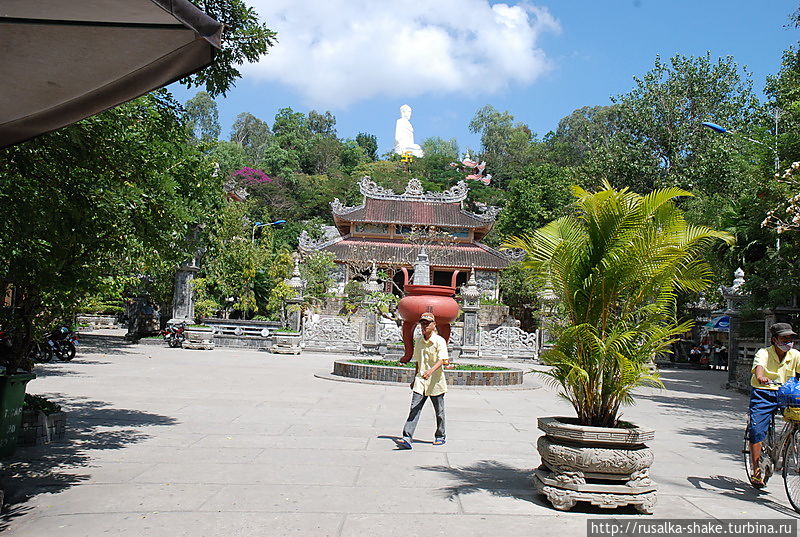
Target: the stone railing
pixel 240 333
pixel 333 333
pixel 509 342
pixel 97 321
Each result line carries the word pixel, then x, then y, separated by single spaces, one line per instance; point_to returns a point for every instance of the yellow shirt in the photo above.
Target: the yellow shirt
pixel 427 353
pixel 776 369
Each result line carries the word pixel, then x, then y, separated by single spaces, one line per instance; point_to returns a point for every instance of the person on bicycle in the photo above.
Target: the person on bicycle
pixel 772 366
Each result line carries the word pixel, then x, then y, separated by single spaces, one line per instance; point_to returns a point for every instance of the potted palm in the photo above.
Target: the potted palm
pixel 614 266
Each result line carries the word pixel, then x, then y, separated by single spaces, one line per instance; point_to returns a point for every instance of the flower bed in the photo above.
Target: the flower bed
pixel 462 375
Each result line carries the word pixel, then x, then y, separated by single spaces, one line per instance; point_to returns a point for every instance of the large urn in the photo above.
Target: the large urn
pixel 437 299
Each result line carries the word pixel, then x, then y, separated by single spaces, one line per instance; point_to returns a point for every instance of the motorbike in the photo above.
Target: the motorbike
pixel 63 343
pixel 40 352
pixel 174 334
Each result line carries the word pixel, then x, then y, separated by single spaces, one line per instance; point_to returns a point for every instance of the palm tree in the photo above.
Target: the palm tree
pixel 616 265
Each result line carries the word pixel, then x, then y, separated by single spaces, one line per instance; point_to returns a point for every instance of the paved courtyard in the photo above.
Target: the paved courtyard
pixel 171 442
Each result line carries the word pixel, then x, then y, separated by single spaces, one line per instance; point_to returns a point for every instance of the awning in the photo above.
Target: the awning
pixel 65 60
pixel 718 324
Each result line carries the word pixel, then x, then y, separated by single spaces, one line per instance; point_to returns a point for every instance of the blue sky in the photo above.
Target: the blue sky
pixel 362 59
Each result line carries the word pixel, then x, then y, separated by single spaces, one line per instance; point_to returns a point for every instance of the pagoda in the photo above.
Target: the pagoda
pixel 382 231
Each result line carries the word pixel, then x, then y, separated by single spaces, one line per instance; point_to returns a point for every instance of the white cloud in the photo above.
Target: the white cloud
pixel 338 52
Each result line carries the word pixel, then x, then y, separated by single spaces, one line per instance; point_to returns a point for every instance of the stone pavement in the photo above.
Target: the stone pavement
pixel 171 442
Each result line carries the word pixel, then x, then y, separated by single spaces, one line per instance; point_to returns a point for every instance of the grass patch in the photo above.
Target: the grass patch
pixel 458 367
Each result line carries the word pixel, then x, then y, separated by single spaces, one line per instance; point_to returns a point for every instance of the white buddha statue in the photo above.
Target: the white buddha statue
pixel 404 134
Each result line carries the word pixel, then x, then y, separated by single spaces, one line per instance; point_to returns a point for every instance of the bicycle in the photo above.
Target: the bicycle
pixel 779 455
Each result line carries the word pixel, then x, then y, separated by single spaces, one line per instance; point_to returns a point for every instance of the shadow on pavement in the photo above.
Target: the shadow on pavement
pixel 727 442
pixel 496 478
pixel 502 480
pixel 741 490
pixel 696 392
pixel 91 425
pixel 101 344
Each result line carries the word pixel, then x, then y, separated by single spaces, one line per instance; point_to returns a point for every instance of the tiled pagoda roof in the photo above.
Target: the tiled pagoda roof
pixel 387 252
pixel 413 207
pixel 413 213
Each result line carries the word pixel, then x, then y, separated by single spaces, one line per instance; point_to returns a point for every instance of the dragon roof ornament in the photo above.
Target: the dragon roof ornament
pixel 307 244
pixel 340 208
pixel 489 213
pixel 414 192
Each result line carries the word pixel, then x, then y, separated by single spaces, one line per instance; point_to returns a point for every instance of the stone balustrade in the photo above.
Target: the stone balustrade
pixel 241 333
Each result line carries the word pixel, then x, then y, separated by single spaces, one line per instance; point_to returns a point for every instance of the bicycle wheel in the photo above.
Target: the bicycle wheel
pixel 791 469
pixel 766 463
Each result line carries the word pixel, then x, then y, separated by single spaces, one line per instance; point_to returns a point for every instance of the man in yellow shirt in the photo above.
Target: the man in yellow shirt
pixel 430 352
pixel 775 364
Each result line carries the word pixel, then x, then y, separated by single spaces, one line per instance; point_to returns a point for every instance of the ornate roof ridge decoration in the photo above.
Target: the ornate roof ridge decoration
pixel 489 213
pixel 414 192
pixel 307 244
pixel 736 289
pixel 340 208
pixel 514 254
pixel 491 250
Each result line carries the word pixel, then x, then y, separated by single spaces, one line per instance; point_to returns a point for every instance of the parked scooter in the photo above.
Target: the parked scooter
pixel 40 352
pixel 174 334
pixel 63 343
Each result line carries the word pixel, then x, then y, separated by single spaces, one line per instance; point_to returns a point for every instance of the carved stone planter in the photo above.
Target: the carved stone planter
pixel 38 428
pixel 604 466
pixel 199 337
pixel 286 343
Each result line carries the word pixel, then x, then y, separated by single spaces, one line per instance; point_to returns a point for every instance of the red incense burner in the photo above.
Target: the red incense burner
pixel 437 299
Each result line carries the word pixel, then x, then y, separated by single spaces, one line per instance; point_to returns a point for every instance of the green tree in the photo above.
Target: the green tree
pixel 244 39
pixel 370 145
pixel 539 194
pixel 230 157
pixel 322 124
pixel 581 133
pixel 783 92
pixel 660 128
pixel 441 147
pixel 234 259
pixel 519 293
pixel 316 269
pixel 616 267
pixel 352 155
pixel 252 134
pixel 506 145
pixel 324 154
pixel 290 145
pixel 129 187
pixel 202 117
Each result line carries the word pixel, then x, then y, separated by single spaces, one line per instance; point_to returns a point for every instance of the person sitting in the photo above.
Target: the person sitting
pixel 404 134
pixel 720 360
pixel 772 366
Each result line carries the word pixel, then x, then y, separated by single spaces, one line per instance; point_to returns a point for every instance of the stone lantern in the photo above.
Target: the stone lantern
pixel 735 296
pixel 371 342
pixel 471 304
pixel 297 284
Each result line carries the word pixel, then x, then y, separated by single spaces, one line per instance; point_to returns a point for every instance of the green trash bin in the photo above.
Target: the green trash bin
pixel 12 396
